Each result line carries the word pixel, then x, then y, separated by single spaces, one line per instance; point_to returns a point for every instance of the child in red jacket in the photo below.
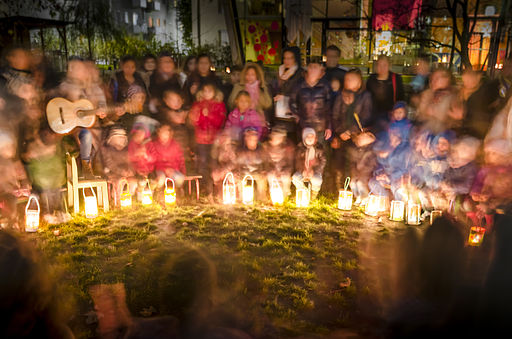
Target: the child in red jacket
pixel 168 157
pixel 207 116
pixel 138 153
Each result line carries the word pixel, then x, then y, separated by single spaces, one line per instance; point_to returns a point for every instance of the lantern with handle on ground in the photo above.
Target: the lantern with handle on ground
pixel 90 204
pixel 32 215
pixel 345 197
pixel 147 194
pixel 302 197
pixel 169 192
pixel 276 193
pixel 397 210
pixel 413 213
pixel 374 205
pixel 434 215
pixel 248 190
pixel 476 235
pixel 229 189
pixel 125 199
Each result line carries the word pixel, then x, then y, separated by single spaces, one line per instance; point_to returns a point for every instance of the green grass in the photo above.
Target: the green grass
pixel 261 267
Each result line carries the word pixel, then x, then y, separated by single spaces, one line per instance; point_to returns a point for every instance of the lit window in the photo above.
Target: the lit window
pixel 126 18
pixel 157 5
pixel 158 22
pixel 150 22
pixel 135 18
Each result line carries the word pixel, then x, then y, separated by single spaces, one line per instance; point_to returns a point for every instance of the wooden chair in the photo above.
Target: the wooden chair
pixel 196 179
pixel 74 184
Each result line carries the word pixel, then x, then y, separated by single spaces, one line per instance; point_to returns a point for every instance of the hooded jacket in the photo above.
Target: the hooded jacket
pixel 312 104
pixel 207 126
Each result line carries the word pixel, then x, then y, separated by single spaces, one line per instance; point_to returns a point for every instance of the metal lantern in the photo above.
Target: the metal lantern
pixel 397 210
pixel 147 194
pixel 90 204
pixel 229 189
pixel 126 198
pixel 413 213
pixel 302 197
pixel 434 215
pixel 374 205
pixel 32 215
pixel 345 197
pixel 248 190
pixel 476 236
pixel 169 193
pixel 276 193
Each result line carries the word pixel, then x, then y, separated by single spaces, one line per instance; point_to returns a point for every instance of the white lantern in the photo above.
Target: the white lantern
pixel 476 236
pixel 32 215
pixel 302 197
pixel 276 193
pixel 374 205
pixel 125 197
pixel 229 189
pixel 434 215
pixel 248 190
pixel 90 204
pixel 397 210
pixel 345 197
pixel 413 213
pixel 169 193
pixel 147 194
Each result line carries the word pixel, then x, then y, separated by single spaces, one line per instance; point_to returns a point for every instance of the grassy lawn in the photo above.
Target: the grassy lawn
pixel 268 271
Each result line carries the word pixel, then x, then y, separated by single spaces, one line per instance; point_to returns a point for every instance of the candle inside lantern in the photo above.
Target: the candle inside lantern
pixel 32 215
pixel 90 205
pixel 345 197
pixel 147 195
pixel 372 207
pixel 413 213
pixel 169 193
pixel 126 197
pixel 302 197
pixel 229 189
pixel 396 213
pixel 276 193
pixel 248 190
pixel 434 215
pixel 476 236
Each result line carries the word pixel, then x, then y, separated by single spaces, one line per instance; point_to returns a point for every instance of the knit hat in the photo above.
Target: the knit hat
pixel 134 89
pixel 250 130
pixel 400 104
pixel 307 131
pixel 116 132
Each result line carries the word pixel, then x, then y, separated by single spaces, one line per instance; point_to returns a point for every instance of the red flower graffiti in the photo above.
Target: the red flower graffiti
pixel 252 29
pixel 257 47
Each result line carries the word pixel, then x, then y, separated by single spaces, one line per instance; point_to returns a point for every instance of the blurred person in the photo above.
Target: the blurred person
pixel 148 68
pixel 279 154
pixel 188 68
pixel 309 162
pixel 420 80
pixel 250 160
pixel 18 68
pixel 122 80
pixel 44 73
pixel 311 102
pixel 138 152
pixel 207 115
pixel 234 78
pixel 163 78
pixel 252 81
pixel 289 75
pixel 333 70
pixel 204 74
pixel 224 158
pixel 386 89
pixel 244 116
pixel 126 113
pixel 501 127
pixel 503 84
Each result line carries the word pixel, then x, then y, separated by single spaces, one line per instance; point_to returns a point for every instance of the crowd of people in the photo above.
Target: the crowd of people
pixel 434 140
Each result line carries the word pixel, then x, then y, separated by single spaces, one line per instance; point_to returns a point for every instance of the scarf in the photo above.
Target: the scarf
pixel 285 74
pixel 310 149
pixel 254 92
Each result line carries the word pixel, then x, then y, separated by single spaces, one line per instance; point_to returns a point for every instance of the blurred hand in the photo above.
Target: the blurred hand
pixel 278 97
pixel 327 134
pixel 345 135
pixel 101 113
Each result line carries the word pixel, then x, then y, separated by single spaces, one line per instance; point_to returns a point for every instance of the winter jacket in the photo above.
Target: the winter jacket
pixel 207 126
pixel 317 164
pixel 461 179
pixel 159 83
pixel 343 114
pixel 140 158
pixel 264 101
pixel 337 72
pixel 279 159
pixel 239 121
pixel 224 156
pixel 385 94
pixel 250 161
pixel 167 156
pixel 116 163
pixel 119 86
pixel 312 104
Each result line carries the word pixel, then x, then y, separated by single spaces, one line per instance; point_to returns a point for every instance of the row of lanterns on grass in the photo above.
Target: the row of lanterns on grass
pixel 374 205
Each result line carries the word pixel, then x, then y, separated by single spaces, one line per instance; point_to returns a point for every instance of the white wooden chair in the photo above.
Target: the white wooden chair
pixel 74 184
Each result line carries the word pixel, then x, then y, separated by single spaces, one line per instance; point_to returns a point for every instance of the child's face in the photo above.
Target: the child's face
pixel 399 114
pixel 443 146
pixel 310 140
pixel 166 64
pixel 235 77
pixel 243 103
pixel 138 136
pixel 128 68
pixel 137 102
pixel 165 134
pixel 208 93
pixel 173 101
pixel 251 76
pixel 251 141
pixel 118 142
pixel 315 72
pixel 276 139
pixel 150 64
pixel 335 85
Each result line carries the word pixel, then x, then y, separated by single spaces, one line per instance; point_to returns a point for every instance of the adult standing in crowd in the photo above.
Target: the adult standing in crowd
pixel 188 68
pixel 165 77
pixel 332 68
pixel 252 80
pixel 123 79
pixel 148 68
pixel 290 73
pixel 17 69
pixel 203 75
pixel 386 88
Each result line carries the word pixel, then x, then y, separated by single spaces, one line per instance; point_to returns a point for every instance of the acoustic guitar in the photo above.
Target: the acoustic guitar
pixel 64 116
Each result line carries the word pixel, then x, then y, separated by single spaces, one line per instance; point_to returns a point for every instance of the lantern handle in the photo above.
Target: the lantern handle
pixel 124 183
pixel 248 177
pixel 33 197
pixel 92 190
pixel 226 178
pixel 169 179
pixel 347 182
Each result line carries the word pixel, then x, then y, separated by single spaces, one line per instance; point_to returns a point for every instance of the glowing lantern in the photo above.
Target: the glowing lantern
pixel 434 215
pixel 396 213
pixel 229 189
pixel 302 197
pixel 413 213
pixel 276 193
pixel 126 197
pixel 90 204
pixel 147 194
pixel 374 205
pixel 32 216
pixel 169 193
pixel 476 236
pixel 345 197
pixel 248 190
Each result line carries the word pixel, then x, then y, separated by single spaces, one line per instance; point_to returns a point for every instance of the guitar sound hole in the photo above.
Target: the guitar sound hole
pixel 61 115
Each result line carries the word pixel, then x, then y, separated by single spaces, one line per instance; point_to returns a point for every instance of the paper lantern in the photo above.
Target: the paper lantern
pixel 126 198
pixel 90 204
pixel 434 215
pixel 229 189
pixel 345 197
pixel 147 194
pixel 32 215
pixel 302 197
pixel 248 190
pixel 413 213
pixel 397 210
pixel 374 205
pixel 276 193
pixel 476 236
pixel 169 193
